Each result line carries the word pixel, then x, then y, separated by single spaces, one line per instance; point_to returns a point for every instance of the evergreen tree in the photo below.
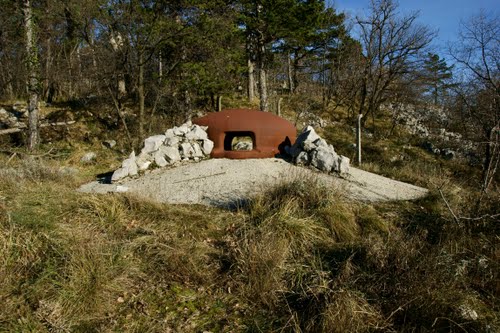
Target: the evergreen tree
pixel 437 75
pixel 270 22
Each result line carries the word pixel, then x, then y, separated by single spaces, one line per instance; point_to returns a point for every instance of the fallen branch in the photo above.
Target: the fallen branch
pixel 60 123
pixel 459 218
pixel 449 208
pixel 10 130
pixel 22 154
pixel 10 158
pixel 19 129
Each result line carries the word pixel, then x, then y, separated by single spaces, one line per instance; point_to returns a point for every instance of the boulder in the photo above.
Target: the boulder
pixel 152 143
pixel 320 143
pixel 143 161
pixel 307 138
pixel 166 155
pixel 129 168
pixel 170 133
pixel 171 154
pixel 196 133
pixel 160 160
pixel 121 189
pixel 197 151
pixel 172 141
pixel 206 146
pixel 323 159
pixel 302 158
pixel 186 150
pixel 181 130
pixel 119 174
pixel 343 165
pixel 130 164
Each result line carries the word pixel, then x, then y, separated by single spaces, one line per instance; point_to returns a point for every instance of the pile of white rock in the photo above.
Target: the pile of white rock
pixel 187 142
pixel 311 149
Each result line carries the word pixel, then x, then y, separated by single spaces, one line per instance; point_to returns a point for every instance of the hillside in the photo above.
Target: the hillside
pixel 113 218
pixel 295 257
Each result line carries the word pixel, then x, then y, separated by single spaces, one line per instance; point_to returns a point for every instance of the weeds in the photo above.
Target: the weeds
pixel 298 257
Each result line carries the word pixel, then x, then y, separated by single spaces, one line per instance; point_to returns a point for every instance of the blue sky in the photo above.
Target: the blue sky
pixel 443 15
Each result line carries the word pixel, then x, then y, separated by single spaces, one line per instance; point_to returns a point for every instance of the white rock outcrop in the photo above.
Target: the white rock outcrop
pixel 311 149
pixel 182 143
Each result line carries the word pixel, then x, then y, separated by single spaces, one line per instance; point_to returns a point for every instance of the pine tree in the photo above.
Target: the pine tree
pixel 437 75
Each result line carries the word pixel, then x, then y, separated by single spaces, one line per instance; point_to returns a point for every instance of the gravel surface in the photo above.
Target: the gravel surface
pixel 225 182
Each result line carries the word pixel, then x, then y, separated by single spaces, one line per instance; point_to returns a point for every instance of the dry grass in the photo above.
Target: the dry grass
pixel 296 258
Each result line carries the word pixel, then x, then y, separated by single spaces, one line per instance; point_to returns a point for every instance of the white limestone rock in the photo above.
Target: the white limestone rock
pixel 196 133
pixel 197 151
pixel 119 174
pixel 323 159
pixel 343 165
pixel 170 133
pixel 186 150
pixel 307 138
pixel 152 143
pixel 181 130
pixel 207 146
pixel 166 155
pixel 302 158
pixel 171 154
pixel 129 168
pixel 172 141
pixel 160 161
pixel 320 143
pixel 130 164
pixel 143 161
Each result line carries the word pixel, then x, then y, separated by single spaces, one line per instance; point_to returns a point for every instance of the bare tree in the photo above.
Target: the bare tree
pixel 478 54
pixel 33 79
pixel 391 48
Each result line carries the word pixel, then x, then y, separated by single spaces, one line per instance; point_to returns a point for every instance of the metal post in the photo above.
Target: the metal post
pixel 358 140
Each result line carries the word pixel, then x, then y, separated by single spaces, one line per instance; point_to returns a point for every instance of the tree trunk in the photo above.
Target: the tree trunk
pixel 251 80
pixel 140 90
pixel 46 80
pixel 295 70
pixel 264 102
pixel 9 88
pixel 33 81
pixel 117 44
pixel 492 157
pixel 160 67
pixel 291 85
